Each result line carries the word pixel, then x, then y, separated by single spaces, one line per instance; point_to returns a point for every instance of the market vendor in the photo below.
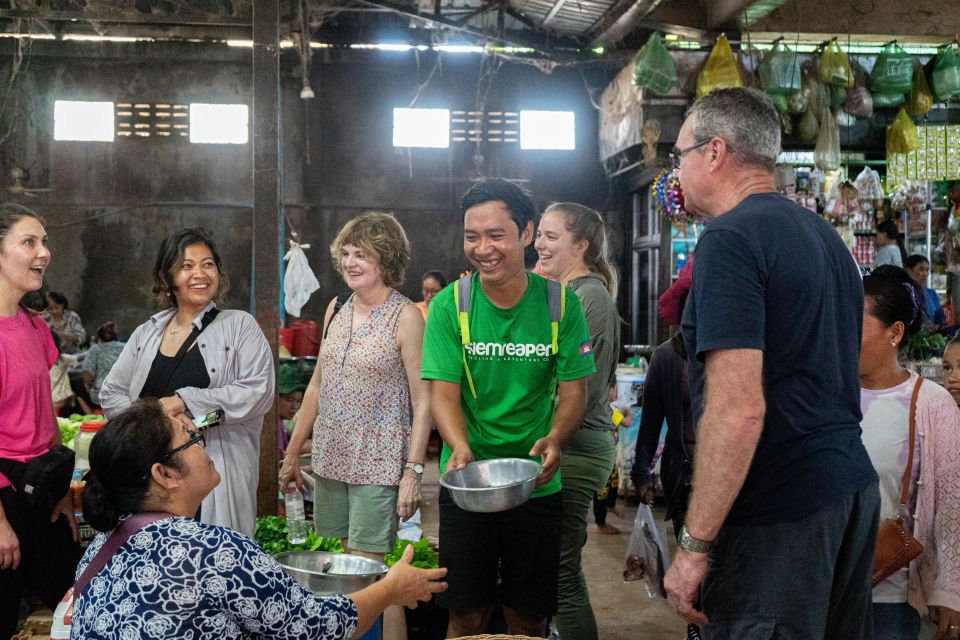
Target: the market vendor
pixel 178 578
pixel 290 390
pixel 919 269
pixel 494 398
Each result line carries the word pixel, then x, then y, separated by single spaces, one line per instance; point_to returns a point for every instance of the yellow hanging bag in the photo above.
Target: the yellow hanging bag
pixel 902 136
pixel 720 71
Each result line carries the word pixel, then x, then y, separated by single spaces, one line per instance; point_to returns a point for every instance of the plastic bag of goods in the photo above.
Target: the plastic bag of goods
pixel 655 68
pixel 892 71
pixel 888 100
pixel 720 71
pixel 902 136
pixel 780 70
pixel 647 557
pixel 945 74
pixel 919 100
pixel 868 186
pixel 799 102
pixel 835 66
pixel 826 155
pixel 809 127
pixel 859 102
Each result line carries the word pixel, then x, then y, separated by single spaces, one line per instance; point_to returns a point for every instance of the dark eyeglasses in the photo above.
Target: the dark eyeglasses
pixel 678 154
pixel 195 437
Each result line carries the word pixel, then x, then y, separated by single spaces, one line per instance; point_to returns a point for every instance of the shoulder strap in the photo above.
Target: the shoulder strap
pixel 461 299
pixel 120 535
pixel 338 303
pixel 905 483
pixel 189 342
pixel 557 303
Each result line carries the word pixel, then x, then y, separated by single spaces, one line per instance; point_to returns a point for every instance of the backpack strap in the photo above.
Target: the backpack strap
pixel 461 298
pixel 557 303
pixel 337 305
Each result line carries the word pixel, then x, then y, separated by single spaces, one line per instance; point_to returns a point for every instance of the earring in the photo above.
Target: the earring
pixel 893 344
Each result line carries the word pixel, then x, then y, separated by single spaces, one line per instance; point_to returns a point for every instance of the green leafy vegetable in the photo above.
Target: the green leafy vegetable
pixel 424 556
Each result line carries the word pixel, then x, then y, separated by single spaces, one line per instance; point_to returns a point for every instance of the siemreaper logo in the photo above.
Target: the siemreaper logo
pixel 508 351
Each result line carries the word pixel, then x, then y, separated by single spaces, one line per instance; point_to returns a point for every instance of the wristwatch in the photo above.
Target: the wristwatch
pixel 688 542
pixel 416 466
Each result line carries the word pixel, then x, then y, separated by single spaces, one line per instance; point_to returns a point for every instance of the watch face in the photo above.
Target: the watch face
pixel 418 468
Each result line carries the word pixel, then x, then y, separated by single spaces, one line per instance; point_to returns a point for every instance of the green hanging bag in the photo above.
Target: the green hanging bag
pixel 655 68
pixel 893 71
pixel 780 70
pixel 945 77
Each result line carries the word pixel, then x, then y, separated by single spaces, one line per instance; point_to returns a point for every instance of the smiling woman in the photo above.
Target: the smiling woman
pixel 228 367
pixel 39 549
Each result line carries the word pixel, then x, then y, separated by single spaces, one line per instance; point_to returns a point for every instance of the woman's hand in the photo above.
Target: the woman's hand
pixel 290 471
pixel 408 498
pixel 409 585
pixel 173 405
pixel 65 507
pixel 947 621
pixel 9 546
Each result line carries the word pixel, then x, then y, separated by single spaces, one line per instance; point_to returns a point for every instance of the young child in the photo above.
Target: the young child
pixel 951 368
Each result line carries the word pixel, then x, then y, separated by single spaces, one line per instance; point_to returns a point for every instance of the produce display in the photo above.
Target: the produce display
pixel 271 535
pixel 70 426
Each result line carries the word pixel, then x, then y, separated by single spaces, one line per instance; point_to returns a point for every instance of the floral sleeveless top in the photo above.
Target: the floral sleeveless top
pixel 364 415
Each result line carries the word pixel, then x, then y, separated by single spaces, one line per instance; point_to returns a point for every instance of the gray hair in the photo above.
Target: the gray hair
pixel 745 119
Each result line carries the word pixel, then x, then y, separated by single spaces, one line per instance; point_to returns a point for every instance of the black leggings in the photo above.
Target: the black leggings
pixel 48 560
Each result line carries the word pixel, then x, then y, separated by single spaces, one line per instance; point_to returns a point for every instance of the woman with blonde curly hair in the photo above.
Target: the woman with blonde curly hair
pixel 368 446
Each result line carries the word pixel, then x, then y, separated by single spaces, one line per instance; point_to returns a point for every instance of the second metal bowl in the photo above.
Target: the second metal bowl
pixel 492 485
pixel 328 573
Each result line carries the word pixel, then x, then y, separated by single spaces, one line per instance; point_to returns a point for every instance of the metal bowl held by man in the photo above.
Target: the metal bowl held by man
pixel 492 485
pixel 327 573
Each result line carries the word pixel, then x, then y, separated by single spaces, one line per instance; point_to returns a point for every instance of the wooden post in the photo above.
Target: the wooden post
pixel 265 283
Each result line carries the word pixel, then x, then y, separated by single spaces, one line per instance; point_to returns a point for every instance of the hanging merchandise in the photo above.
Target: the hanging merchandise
pixel 799 102
pixel 902 136
pixel 299 282
pixel 888 100
pixel 859 102
pixel 780 103
pixel 919 100
pixel 780 70
pixel 835 66
pixel 845 119
pixel 869 189
pixel 826 155
pixel 721 70
pixel 809 127
pixel 655 68
pixel 892 71
pixel 945 75
pixel 818 94
pixel 668 196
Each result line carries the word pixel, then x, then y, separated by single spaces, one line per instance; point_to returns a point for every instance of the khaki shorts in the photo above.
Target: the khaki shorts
pixel 364 514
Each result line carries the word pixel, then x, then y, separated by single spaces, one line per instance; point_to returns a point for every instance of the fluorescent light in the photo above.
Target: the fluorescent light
pixel 553 130
pixel 219 123
pixel 85 38
pixel 458 48
pixel 598 51
pixel 29 36
pixel 240 43
pixel 83 121
pixel 421 128
pixel 671 36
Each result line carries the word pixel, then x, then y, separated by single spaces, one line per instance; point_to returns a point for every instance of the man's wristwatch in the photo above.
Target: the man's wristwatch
pixel 416 466
pixel 688 542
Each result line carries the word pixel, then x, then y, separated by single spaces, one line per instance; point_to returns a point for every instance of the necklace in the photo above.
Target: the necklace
pixel 174 332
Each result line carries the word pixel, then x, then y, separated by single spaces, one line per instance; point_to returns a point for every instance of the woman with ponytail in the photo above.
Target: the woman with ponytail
pixel 890 249
pixel 927 591
pixel 572 245
pixel 171 576
pixel 36 549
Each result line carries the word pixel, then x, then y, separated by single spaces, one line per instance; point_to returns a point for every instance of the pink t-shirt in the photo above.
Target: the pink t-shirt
pixel 26 413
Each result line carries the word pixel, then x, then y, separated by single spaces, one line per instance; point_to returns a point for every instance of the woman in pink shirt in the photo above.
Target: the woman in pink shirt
pixel 39 550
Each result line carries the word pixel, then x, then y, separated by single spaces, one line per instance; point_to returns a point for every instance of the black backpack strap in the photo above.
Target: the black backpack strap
pixel 190 341
pixel 337 305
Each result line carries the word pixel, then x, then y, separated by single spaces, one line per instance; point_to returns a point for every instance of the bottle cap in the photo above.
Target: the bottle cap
pixel 91 427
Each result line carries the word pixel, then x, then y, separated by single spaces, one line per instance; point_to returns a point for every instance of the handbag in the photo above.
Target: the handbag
pixel 42 481
pixel 896 547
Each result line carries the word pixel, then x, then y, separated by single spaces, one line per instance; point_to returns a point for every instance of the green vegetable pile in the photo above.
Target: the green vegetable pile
pixel 271 535
pixel 924 345
pixel 70 426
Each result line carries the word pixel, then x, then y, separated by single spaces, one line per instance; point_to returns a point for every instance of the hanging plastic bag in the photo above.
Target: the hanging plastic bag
pixel 818 94
pixel 919 100
pixel 892 71
pixel 299 282
pixel 869 188
pixel 799 102
pixel 826 155
pixel 780 103
pixel 902 136
pixel 647 557
pixel 720 71
pixel 888 100
pixel 779 70
pixel 655 68
pixel 945 74
pixel 809 127
pixel 844 119
pixel 859 102
pixel 835 66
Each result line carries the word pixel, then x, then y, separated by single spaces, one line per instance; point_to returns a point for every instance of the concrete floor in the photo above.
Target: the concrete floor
pixel 622 609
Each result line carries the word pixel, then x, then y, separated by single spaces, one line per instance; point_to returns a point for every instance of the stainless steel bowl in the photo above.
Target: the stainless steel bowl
pixel 327 573
pixel 492 485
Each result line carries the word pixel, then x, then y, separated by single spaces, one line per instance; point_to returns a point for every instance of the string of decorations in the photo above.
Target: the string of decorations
pixel 668 196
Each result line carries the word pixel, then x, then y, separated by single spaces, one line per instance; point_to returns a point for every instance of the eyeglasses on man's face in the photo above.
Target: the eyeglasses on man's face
pixel 678 154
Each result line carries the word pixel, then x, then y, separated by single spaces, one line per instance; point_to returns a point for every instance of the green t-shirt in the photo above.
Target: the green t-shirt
pixel 513 369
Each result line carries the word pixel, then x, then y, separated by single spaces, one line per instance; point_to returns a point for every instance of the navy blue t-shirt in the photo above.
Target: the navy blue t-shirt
pixel 773 276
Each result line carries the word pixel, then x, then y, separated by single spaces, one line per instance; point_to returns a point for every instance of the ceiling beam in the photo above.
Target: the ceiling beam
pixel 554 10
pixel 724 13
pixel 132 17
pixel 619 21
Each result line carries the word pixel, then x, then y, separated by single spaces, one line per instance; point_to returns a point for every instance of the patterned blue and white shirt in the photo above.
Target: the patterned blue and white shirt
pixel 181 579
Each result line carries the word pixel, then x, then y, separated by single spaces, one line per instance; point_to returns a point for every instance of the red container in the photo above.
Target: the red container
pixel 287 337
pixel 306 340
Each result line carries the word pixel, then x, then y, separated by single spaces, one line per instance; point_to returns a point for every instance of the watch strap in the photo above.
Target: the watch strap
pixel 689 543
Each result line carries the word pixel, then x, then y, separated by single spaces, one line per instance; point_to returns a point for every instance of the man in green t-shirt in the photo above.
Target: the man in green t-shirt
pixel 527 401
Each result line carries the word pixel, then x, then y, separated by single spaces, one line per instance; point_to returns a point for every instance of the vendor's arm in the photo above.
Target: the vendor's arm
pixel 410 342
pixel 115 392
pixel 448 416
pixel 306 417
pixel 571 403
pixel 249 396
pixel 729 431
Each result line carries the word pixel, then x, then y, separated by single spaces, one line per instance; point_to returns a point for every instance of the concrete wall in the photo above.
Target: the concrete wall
pixel 113 202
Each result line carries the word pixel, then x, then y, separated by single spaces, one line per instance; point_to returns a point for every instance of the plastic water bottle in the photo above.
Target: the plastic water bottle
pixel 296 521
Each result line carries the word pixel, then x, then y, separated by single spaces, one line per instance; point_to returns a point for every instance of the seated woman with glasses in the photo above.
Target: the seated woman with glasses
pixel 179 578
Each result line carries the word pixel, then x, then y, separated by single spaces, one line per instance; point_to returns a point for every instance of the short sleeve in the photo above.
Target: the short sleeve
pixel 575 356
pixel 728 289
pixel 49 347
pixel 442 355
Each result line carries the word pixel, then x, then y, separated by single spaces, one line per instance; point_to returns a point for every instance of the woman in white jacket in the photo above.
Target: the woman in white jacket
pixel 195 358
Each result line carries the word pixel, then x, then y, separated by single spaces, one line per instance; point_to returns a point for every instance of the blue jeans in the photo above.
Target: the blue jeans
pixel 802 580
pixel 895 621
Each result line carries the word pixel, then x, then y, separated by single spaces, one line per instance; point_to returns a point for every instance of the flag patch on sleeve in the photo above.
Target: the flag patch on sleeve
pixel 586 348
